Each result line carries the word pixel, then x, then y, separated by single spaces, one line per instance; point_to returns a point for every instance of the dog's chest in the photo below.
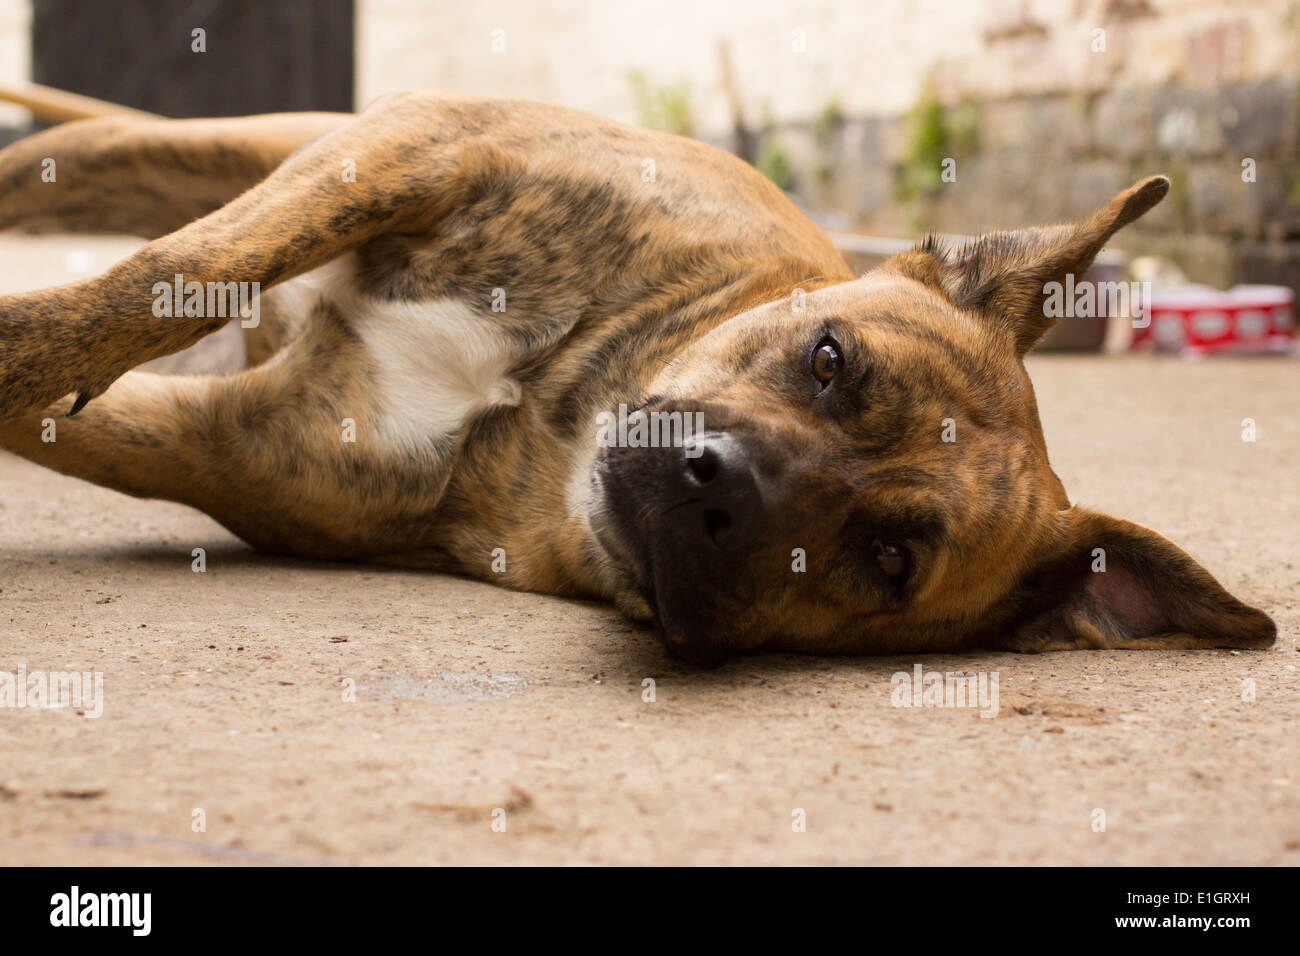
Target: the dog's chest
pixel 431 365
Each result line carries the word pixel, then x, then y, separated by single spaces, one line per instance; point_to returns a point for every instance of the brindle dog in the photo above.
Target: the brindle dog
pixel 462 284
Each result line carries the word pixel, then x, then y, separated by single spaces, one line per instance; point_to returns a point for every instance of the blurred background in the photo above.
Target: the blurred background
pixel 1037 109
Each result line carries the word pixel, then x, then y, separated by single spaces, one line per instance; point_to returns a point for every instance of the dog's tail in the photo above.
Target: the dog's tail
pixel 60 106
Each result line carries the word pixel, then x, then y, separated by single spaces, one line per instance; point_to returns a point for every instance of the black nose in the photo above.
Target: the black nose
pixel 722 507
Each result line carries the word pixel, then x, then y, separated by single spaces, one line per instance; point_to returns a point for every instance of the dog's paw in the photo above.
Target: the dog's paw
pixel 43 358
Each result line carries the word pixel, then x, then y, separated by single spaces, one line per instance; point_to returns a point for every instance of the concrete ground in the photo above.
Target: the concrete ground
pixel 224 692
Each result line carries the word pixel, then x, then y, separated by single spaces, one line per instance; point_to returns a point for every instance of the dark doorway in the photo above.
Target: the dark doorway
pixel 262 56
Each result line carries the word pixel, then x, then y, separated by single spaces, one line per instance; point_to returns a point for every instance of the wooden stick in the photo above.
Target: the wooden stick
pixel 61 106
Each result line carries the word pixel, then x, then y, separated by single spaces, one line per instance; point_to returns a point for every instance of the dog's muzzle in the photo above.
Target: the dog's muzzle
pixel 684 521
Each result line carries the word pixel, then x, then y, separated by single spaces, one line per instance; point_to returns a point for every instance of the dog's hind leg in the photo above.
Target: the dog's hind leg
pixel 385 172
pixel 290 456
pixel 141 176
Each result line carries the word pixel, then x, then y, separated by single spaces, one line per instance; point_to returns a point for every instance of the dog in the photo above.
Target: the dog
pixel 455 290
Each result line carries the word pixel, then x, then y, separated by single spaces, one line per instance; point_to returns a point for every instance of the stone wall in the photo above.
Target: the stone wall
pixel 1232 151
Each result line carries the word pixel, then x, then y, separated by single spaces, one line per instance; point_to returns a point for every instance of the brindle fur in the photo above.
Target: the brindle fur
pixel 678 292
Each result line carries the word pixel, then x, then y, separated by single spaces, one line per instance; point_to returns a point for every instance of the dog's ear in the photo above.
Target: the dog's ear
pixel 1002 275
pixel 1106 582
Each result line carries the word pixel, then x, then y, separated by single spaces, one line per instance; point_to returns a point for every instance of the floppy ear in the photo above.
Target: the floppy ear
pixel 1001 275
pixel 1113 583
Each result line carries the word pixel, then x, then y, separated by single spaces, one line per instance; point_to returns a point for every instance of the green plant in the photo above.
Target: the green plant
pixel 773 162
pixel 934 134
pixel 924 151
pixel 1293 194
pixel 828 123
pixel 662 107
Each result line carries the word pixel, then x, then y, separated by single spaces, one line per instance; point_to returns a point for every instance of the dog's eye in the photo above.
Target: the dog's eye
pixel 892 561
pixel 826 360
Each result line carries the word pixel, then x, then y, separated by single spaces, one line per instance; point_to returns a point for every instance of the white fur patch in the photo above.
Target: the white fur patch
pixel 436 363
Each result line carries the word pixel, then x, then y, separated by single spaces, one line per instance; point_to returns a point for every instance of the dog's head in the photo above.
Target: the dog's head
pixel 870 475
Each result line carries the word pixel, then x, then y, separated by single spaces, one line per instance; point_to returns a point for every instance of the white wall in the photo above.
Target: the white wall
pixel 15 54
pixel 870 56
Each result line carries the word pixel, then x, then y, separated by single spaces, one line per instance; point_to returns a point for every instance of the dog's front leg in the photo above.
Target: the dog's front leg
pixel 378 174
